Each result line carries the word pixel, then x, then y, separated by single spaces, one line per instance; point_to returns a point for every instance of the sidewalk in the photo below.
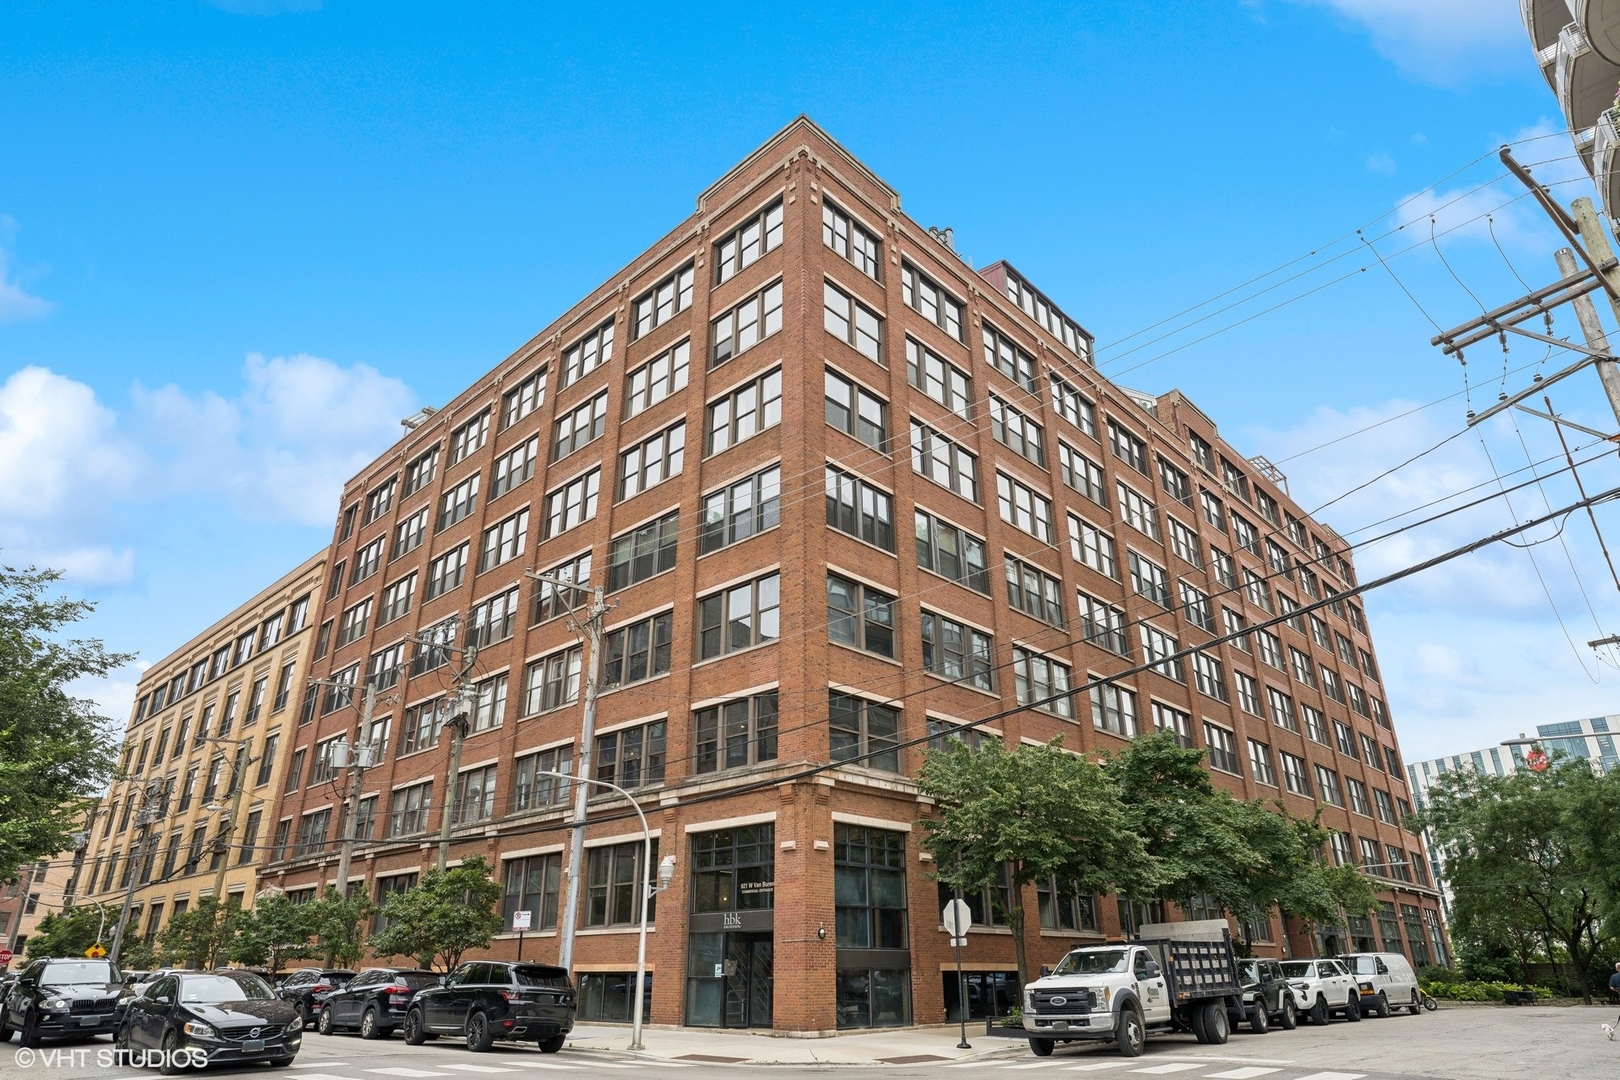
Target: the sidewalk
pixel 898 1046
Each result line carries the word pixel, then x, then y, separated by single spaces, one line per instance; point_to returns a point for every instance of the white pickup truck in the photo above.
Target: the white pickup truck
pixel 1174 977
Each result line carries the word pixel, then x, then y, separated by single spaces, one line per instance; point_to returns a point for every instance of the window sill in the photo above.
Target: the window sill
pixel 994 930
pixel 856 649
pixel 727 547
pixel 604 931
pixel 862 541
pixel 731 653
pixel 600 694
pixel 993 695
pixel 954 581
pixel 1090 934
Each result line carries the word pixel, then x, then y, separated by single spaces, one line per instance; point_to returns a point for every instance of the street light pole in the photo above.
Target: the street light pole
pixel 666 874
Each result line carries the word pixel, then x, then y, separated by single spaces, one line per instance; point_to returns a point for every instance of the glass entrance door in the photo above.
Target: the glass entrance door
pixel 750 975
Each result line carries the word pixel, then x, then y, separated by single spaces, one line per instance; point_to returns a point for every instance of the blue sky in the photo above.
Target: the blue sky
pixel 239 240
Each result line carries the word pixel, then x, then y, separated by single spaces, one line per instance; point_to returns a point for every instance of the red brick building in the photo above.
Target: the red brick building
pixel 845 492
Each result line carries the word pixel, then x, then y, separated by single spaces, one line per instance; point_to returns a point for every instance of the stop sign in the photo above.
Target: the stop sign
pixel 5 957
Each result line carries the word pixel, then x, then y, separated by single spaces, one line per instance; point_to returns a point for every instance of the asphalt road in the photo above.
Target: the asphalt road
pixel 1454 1044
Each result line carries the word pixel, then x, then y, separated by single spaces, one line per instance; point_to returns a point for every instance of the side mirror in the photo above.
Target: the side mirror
pixel 164 1000
pixel 29 981
pixel 1152 969
pixel 444 980
pixel 1046 970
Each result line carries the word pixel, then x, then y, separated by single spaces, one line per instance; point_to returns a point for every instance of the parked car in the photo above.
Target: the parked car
pixel 1267 997
pixel 232 1017
pixel 375 1001
pixel 485 1000
pixel 67 998
pixel 1323 987
pixel 308 988
pixel 1385 980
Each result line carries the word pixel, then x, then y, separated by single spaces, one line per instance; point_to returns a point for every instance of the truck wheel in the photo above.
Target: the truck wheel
pixel 1352 1011
pixel 1382 1005
pixel 1042 1047
pixel 1197 1018
pixel 1215 1024
pixel 1130 1036
pixel 1260 1022
pixel 1290 1013
pixel 1319 1011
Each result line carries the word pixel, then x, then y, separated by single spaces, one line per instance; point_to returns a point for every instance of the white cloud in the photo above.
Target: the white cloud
pixel 15 303
pixel 1441 41
pixel 1381 162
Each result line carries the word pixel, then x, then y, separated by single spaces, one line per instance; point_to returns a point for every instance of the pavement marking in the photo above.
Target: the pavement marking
pixel 324 1076
pixel 477 1068
pixel 1093 1066
pixel 317 1064
pixel 400 1070
pixel 975 1065
pixel 1169 1067
pixel 1038 1065
pixel 1240 1074
pixel 1333 1076
pixel 548 1065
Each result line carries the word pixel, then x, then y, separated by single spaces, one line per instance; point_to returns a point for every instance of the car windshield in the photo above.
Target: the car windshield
pixel 1092 962
pixel 79 973
pixel 416 980
pixel 215 989
pixel 1298 969
pixel 1362 965
pixel 547 977
pixel 1251 971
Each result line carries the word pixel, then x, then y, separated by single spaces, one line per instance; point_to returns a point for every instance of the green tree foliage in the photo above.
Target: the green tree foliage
pixel 450 912
pixel 1040 811
pixel 67 933
pixel 1532 855
pixel 273 931
pixel 55 753
pixel 337 923
pixel 201 937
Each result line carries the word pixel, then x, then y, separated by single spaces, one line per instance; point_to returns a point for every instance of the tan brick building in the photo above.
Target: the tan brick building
pixel 845 492
pixel 234 688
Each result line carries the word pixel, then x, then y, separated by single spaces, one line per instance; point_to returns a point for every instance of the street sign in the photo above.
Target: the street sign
pixel 520 920
pixel 957 917
pixel 1537 759
pixel 94 952
pixel 958 942
pixel 5 957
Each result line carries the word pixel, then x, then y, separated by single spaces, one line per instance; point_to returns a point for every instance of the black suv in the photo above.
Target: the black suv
pixel 374 1002
pixel 487 1000
pixel 55 999
pixel 308 988
pixel 1267 997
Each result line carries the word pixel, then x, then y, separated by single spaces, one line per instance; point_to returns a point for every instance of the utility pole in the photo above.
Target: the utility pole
pixel 591 627
pixel 81 843
pixel 223 842
pixel 457 709
pixel 22 907
pixel 1597 246
pixel 154 806
pixel 358 758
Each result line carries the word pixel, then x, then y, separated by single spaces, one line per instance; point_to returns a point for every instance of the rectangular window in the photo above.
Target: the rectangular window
pixel 1038 678
pixel 352 627
pixel 653 461
pixel 746 325
pixel 489 707
pixel 1158 649
pixel 408 810
pixel 420 473
pixel 735 733
pixel 1282 709
pixel 1184 542
pixel 587 354
pixel 942 732
pixel 1214 512
pixel 739 510
pixel 379 502
pixel 457 503
pixel 852 322
pixel 474 798
pixel 1245 535
pixel 1113 709
pixel 951 552
pixel 1295 776
pixel 1256 589
pixel 1222 749
pixel 572 504
pixel 1331 686
pixel 613 884
pixel 283 692
pixel 1092 547
pixel 367 561
pixel 638 651
pixel 505 541
pixel 851 409
pixel 740 617
pixel 1233 480
pixel 1139 513
pixel 1178 723
pixel 1369 752
pixel 514 467
pixel 421 728
pixel 1359 802
pixel 662 302
pixel 633 756
pixel 447 572
pixel 742 246
pixel 657 379
pixel 469 437
pixel 1175 483
pixel 1023 508
pixel 1196 607
pixel 1148 579
pixel 1316 726
pixel 1302 667
pixel 1009 358
pixel 940 379
pixel 862 731
pixel 1044 312
pixel 1327 781
pixel 1248 693
pixel 1017 432
pixel 1210 677
pixel 1104 625
pixel 859 615
pixel 523 399
pixel 1073 406
pixel 578 427
pixel 1260 764
pixel 936 305
pixel 533 885
pixel 944 462
pixel 312 832
pixel 409 534
pixel 1358 699
pixel 859 509
pixel 492 620
pixel 745 412
pixel 639 555
pixel 1345 739
pixel 1064 907
pixel 846 236
pixel 1034 592
pixel 1082 474
pixel 396 599
pixel 1271 650
pixel 1127 447
pixel 957 652
pixel 533 788
pixel 552 600
pixel 552 682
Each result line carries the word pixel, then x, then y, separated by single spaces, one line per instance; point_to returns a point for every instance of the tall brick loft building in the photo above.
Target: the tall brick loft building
pixel 844 492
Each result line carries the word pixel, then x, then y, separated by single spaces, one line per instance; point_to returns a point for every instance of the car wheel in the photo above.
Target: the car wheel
pixel 413 1028
pixel 1381 1006
pixel 29 1035
pixel 169 1064
pixel 303 1015
pixel 1319 1011
pixel 1414 1008
pixel 280 1063
pixel 1290 1013
pixel 1352 1009
pixel 121 1037
pixel 324 1024
pixel 369 1028
pixel 555 1043
pixel 1260 1022
pixel 5 1028
pixel 1042 1047
pixel 1131 1036
pixel 480 1035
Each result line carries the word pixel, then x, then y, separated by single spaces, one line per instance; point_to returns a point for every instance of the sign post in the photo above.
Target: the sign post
pixel 520 923
pixel 957 918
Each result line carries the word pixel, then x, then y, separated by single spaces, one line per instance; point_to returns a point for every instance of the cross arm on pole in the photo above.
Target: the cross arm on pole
pixel 1568 423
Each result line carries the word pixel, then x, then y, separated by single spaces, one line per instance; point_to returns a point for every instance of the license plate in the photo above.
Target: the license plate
pixel 252 1046
pixel 1060 1025
pixel 90 1021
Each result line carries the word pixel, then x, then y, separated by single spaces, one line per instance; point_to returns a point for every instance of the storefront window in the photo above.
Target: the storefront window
pixel 874 959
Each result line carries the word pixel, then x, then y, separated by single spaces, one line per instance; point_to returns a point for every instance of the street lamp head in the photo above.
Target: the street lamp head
pixel 666 871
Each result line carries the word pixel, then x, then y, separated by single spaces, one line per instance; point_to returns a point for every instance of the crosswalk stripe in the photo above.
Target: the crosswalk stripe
pixel 976 1065
pixel 1240 1074
pixel 1169 1067
pixel 410 1074
pixel 318 1064
pixel 323 1076
pixel 1093 1066
pixel 549 1065
pixel 1333 1076
pixel 1036 1065
pixel 477 1068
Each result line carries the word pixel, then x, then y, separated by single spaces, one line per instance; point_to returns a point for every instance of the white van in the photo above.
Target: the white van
pixel 1386 981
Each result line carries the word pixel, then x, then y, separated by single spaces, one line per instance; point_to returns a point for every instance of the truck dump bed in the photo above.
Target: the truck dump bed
pixel 1196 958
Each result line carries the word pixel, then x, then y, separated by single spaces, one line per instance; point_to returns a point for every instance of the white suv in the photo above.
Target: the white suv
pixel 1322 988
pixel 1385 980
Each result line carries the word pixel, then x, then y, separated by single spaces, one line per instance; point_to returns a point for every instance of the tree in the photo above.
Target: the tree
pixel 271 932
pixel 201 937
pixel 67 933
pixel 449 912
pixel 337 923
pixel 55 751
pixel 1532 854
pixel 1039 811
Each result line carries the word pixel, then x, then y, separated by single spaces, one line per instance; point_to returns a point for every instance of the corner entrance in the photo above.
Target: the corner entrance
pixel 730 979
